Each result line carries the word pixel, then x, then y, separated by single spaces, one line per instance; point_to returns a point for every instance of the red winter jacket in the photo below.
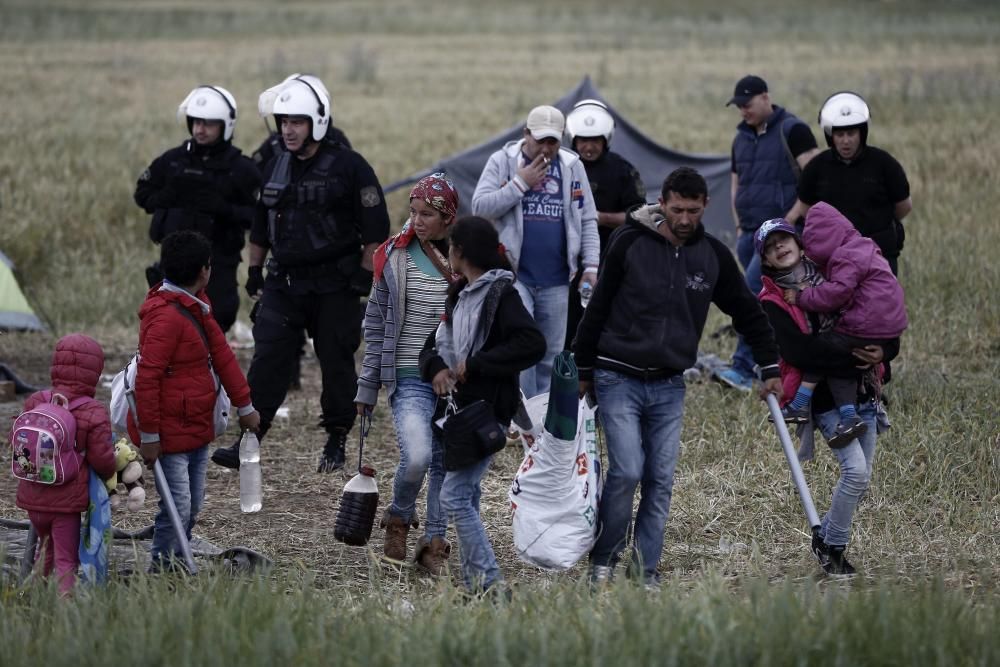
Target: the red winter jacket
pixel 174 387
pixel 791 377
pixel 76 368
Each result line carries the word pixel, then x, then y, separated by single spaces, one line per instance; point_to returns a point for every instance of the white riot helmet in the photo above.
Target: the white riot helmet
pixel 590 118
pixel 209 103
pixel 299 97
pixel 265 103
pixel 843 110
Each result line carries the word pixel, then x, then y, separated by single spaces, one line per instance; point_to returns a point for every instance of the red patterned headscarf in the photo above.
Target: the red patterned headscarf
pixel 438 191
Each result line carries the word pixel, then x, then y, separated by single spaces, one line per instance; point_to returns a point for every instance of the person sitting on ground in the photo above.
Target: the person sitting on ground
pixel 181 350
pixel 485 339
pixel 858 289
pixel 412 275
pixel 54 511
pixel 784 265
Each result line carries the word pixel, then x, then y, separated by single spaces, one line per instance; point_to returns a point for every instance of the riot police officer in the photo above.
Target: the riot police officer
pixel 206 184
pixel 321 214
pixel 273 145
pixel 614 182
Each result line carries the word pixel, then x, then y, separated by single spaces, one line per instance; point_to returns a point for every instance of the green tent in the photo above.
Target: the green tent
pixel 15 313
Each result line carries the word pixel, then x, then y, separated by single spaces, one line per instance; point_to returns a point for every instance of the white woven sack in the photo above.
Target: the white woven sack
pixel 555 493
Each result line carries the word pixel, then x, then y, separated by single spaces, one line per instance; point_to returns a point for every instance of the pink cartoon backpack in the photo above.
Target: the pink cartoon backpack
pixel 43 441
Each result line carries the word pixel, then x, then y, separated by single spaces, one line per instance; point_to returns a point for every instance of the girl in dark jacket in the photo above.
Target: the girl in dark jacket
pixel 485 340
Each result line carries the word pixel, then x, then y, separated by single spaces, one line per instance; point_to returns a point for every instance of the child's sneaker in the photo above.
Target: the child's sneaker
pixel 837 565
pixel 845 432
pixel 795 415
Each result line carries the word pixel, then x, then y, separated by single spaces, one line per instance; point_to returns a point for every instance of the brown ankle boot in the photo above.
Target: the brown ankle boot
pixel 396 531
pixel 433 554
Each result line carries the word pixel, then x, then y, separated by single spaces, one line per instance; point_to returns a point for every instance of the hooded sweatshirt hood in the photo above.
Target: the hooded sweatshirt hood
pixel 650 216
pixel 826 230
pixel 77 364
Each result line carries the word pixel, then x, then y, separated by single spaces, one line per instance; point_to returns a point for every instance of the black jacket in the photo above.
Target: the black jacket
pixel 273 145
pixel 652 298
pixel 810 351
pixel 211 189
pixel 514 343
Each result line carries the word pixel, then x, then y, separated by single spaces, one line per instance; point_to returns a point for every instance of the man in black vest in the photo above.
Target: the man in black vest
pixel 863 182
pixel 206 184
pixel 321 215
pixel 274 145
pixel 770 150
pixel 614 182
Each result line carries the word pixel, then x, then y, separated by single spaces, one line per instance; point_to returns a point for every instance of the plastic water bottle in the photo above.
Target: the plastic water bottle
pixel 586 291
pixel 358 506
pixel 250 481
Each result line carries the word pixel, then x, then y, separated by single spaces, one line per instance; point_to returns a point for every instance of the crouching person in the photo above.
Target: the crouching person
pixel 485 339
pixel 180 344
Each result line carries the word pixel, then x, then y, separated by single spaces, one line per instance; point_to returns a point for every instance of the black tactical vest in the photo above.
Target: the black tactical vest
pixel 302 228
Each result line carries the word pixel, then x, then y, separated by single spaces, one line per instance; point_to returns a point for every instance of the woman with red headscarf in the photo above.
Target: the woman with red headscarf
pixel 412 275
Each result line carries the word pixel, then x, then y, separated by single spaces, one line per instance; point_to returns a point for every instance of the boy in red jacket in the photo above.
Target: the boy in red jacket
pixel 54 511
pixel 174 384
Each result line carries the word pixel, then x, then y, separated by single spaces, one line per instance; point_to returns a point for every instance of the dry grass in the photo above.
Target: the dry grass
pixel 428 83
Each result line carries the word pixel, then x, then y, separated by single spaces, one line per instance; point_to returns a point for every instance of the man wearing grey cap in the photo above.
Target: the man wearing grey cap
pixel 539 198
pixel 770 150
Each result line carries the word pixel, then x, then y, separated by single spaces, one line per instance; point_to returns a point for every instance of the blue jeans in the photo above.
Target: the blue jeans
pixel 642 423
pixel 549 307
pixel 460 495
pixel 750 260
pixel 420 452
pixel 185 475
pixel 855 471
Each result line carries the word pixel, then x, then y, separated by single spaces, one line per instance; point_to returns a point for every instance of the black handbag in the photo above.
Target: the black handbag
pixel 470 434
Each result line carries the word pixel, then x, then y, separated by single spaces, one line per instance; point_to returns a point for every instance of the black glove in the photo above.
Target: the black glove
pixel 255 281
pixel 361 281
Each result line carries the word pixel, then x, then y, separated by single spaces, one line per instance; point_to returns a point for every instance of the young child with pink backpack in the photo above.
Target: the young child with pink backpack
pixel 60 435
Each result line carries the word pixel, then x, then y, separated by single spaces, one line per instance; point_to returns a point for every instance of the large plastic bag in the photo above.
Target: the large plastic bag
pixel 555 494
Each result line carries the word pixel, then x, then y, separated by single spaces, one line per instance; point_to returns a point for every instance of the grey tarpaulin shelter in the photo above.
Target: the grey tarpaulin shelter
pixel 652 160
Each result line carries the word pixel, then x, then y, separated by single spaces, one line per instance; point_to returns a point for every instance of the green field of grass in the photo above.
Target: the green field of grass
pixel 92 90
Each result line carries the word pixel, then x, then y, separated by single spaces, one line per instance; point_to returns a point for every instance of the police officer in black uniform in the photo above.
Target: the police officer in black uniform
pixel 208 185
pixel 321 215
pixel 274 145
pixel 615 183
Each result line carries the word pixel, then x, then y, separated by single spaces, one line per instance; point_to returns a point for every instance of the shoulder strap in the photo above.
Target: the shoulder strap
pixel 197 325
pixel 785 130
pixel 324 163
pixel 204 338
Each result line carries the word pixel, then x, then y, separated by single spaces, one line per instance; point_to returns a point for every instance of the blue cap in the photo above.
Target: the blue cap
pixel 768 228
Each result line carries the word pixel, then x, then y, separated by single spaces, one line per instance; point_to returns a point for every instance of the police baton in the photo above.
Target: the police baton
pixel 793 463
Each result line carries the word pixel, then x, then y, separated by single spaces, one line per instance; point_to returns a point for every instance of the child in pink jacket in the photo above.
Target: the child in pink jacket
pixel 55 511
pixel 860 294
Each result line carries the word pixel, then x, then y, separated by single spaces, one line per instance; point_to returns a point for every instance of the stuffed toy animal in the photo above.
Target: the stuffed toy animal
pixel 129 474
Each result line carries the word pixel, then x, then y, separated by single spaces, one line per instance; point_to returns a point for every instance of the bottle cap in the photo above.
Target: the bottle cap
pixel 367 471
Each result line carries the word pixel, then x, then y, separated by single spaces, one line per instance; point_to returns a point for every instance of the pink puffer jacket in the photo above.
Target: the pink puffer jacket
pixel 76 368
pixel 859 283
